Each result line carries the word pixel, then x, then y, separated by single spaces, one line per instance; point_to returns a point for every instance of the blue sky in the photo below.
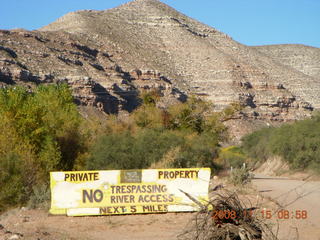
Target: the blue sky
pixel 251 22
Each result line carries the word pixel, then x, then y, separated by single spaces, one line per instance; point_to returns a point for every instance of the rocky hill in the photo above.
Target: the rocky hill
pixel 109 56
pixel 300 57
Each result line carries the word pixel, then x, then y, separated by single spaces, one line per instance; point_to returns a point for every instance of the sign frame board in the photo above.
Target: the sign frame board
pixel 113 192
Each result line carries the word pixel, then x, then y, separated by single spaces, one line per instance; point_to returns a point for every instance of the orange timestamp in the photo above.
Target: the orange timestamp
pixel 284 214
pixel 267 214
pixel 231 214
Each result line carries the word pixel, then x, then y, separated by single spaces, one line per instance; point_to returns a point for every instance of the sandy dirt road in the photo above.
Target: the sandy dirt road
pixel 293 195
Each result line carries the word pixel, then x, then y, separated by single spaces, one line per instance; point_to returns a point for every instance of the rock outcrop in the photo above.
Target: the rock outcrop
pixel 90 68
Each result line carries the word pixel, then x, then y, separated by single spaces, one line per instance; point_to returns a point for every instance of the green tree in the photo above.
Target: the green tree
pixel 39 133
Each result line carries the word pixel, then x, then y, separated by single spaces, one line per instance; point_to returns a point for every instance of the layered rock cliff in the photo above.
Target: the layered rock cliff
pixel 91 68
pixel 109 56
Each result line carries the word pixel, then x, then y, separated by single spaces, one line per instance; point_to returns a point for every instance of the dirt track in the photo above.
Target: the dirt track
pixel 293 195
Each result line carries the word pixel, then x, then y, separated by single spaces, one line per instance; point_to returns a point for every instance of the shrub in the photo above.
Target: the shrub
pixel 232 157
pixel 39 133
pixel 151 135
pixel 40 196
pixel 17 167
pixel 240 176
pixel 297 143
pixel 199 151
pixel 148 116
pixel 189 115
pixel 168 160
pixel 149 147
pixel 150 97
pixel 12 190
pixel 256 144
pixel 126 151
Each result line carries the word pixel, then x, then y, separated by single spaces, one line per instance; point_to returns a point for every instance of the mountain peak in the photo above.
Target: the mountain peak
pixel 115 46
pixel 79 20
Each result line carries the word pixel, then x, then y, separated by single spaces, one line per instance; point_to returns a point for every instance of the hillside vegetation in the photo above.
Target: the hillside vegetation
pixel 297 143
pixel 42 131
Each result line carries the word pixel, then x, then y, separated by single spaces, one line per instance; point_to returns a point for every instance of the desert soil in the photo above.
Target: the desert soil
pixel 36 224
pixel 293 195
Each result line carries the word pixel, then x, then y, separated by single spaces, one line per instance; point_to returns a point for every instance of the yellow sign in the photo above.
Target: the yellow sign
pixel 128 191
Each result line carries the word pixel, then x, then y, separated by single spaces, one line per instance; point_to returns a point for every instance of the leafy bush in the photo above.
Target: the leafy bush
pixel 17 167
pixel 148 116
pixel 126 151
pixel 297 143
pixel 199 151
pixel 12 190
pixel 184 135
pixel 150 146
pixel 231 157
pixel 39 133
pixel 256 144
pixel 189 115
pixel 168 160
